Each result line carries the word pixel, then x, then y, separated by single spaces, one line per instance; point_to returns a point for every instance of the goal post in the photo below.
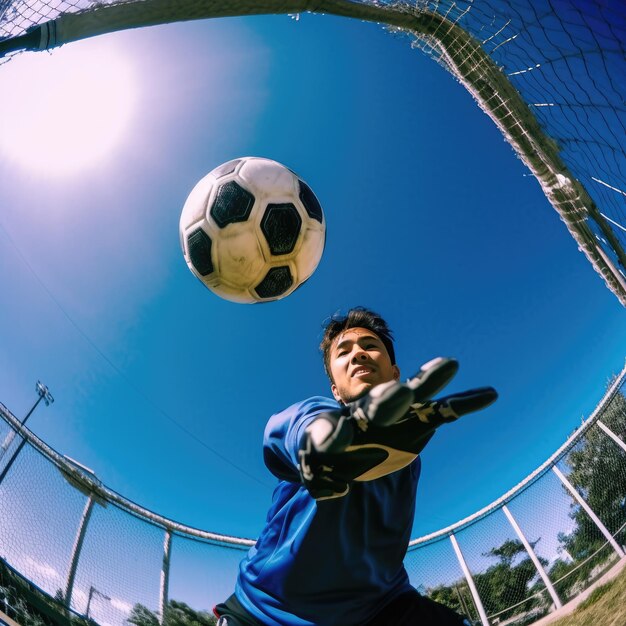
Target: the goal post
pixel 454 47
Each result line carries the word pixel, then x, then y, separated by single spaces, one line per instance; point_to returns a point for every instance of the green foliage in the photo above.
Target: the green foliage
pixel 29 606
pixel 25 616
pixel 568 586
pixel 508 551
pixel 500 586
pixel 142 616
pixel 176 614
pixel 449 596
pixel 180 614
pixel 598 472
pixel 504 584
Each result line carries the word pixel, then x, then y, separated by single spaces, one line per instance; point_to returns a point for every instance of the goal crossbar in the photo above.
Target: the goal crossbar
pixel 460 52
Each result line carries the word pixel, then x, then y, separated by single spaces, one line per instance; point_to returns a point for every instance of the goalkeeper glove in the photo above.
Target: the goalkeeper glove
pixel 433 413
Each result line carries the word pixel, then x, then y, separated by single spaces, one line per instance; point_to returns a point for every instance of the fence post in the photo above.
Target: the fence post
pixel 533 556
pixel 78 545
pixel 592 515
pixel 165 575
pixel 612 435
pixel 470 581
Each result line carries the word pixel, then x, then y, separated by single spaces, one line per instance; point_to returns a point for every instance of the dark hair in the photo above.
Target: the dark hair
pixel 358 317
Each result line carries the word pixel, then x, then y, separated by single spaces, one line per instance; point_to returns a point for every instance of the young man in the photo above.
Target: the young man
pixel 332 550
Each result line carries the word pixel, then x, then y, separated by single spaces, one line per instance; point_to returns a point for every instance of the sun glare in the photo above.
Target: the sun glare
pixel 65 112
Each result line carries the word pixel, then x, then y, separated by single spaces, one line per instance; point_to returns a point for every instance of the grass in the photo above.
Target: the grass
pixel 605 606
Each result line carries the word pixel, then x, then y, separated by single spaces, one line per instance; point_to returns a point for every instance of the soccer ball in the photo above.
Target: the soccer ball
pixel 252 231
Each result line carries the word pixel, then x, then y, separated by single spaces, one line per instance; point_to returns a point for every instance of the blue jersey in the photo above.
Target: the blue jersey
pixel 335 562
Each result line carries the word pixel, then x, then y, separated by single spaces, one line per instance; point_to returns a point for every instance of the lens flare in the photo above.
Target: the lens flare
pixel 66 112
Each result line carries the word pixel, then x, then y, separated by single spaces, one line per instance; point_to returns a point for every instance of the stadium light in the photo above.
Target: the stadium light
pixel 45 395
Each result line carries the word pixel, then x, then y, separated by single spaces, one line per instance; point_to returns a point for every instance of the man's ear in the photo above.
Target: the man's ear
pixel 396 372
pixel 337 397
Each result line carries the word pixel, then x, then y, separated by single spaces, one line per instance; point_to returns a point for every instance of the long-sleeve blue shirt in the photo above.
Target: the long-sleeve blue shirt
pixel 333 562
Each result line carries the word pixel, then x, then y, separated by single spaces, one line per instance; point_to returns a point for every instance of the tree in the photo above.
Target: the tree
pixel 176 614
pixel 142 616
pixel 597 469
pixel 456 596
pixel 500 586
pixel 181 614
pixel 29 606
pixel 503 585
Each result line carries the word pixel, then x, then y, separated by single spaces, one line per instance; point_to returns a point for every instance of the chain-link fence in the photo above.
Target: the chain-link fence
pixel 546 540
pixel 97 555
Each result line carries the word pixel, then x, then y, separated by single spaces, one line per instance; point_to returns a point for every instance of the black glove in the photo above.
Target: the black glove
pixel 389 402
pixel 433 413
pixel 325 438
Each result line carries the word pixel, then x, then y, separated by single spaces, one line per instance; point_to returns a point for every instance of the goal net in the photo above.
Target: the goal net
pixel 549 73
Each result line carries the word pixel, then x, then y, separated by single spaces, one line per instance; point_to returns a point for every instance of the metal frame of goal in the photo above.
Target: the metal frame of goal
pixel 547 72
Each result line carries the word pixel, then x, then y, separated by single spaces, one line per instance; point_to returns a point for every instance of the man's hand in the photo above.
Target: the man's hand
pixel 387 403
pixel 328 435
pixel 432 378
pixel 450 408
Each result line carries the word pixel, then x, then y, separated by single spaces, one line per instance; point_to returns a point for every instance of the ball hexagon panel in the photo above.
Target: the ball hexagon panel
pixel 240 261
pixel 196 206
pixel 310 253
pixel 232 204
pixel 267 177
pixel 281 224
pixel 310 202
pixel 199 246
pixel 226 168
pixel 276 282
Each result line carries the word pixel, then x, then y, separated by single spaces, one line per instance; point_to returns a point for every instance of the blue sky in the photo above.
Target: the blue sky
pixel 164 390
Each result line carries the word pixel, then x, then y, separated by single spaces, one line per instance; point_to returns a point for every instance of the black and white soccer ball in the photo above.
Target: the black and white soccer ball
pixel 252 231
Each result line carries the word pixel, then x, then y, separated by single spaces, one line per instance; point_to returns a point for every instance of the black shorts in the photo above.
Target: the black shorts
pixel 413 609
pixel 409 609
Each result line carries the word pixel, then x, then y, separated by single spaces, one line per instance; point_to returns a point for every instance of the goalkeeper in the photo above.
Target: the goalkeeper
pixel 332 550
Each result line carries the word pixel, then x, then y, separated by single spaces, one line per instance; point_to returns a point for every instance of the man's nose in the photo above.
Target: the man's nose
pixel 359 355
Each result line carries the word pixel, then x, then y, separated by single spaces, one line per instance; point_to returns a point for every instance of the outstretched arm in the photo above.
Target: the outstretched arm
pixel 382 431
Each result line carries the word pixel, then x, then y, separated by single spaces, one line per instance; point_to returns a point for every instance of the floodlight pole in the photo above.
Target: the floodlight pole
pixel 46 396
pixel 93 591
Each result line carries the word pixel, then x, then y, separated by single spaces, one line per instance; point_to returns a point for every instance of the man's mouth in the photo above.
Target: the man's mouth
pixel 362 370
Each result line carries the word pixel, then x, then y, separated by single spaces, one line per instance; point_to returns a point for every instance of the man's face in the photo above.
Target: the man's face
pixel 358 362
